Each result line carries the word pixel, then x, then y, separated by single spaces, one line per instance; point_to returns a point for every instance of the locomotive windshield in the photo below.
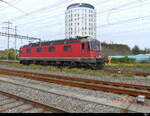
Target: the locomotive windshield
pixel 95 45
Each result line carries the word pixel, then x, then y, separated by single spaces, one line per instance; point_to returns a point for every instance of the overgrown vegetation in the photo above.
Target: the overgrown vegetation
pixel 123 60
pixel 64 69
pixel 10 54
pixel 115 49
pixel 140 67
pixel 99 73
pixel 136 50
pixel 121 49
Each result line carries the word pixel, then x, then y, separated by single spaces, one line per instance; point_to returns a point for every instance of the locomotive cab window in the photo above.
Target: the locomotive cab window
pixel 95 45
pixel 51 49
pixel 67 48
pixel 38 49
pixel 28 50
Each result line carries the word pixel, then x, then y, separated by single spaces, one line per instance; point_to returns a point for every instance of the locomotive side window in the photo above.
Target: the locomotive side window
pixel 38 49
pixel 67 48
pixel 28 50
pixel 51 49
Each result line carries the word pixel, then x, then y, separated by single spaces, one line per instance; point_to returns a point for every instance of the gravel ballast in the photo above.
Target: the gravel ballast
pixel 63 102
pixel 66 103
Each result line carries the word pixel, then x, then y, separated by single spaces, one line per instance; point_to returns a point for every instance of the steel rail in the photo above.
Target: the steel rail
pixel 9 61
pixel 80 85
pixel 82 80
pixel 33 103
pixel 106 70
pixel 123 72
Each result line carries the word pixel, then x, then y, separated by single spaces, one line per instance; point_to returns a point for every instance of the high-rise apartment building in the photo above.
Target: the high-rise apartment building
pixel 80 21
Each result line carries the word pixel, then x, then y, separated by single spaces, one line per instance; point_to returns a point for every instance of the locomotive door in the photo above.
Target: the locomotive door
pixel 83 50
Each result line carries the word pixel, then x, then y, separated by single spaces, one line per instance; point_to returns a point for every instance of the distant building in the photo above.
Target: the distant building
pixel 80 21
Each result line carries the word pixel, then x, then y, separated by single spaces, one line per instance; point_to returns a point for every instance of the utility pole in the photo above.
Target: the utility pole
pixel 8 28
pixel 15 43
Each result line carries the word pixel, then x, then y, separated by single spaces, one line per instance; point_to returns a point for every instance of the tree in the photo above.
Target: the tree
pixel 10 54
pixel 135 50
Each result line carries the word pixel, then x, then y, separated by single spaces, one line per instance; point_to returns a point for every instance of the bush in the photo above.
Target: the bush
pixel 145 61
pixel 3 57
pixel 123 60
pixel 9 54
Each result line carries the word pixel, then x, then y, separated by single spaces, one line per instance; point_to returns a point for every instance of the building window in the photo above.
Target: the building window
pixel 38 49
pixel 51 49
pixel 28 50
pixel 67 48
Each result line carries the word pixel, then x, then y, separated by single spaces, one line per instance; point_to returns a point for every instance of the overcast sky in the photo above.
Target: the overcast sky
pixel 120 21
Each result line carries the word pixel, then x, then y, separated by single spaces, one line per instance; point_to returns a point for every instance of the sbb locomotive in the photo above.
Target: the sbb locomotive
pixel 80 52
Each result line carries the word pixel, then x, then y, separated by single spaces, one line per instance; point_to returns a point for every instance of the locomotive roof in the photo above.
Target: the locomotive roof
pixel 56 42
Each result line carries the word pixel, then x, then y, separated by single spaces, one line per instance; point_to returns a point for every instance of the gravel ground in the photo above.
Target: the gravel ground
pixel 34 110
pixel 99 94
pixel 20 106
pixel 66 103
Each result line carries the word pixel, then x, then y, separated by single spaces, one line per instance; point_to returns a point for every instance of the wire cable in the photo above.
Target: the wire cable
pixel 14 7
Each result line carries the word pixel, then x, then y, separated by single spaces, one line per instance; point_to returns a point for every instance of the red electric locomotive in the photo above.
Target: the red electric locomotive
pixel 81 52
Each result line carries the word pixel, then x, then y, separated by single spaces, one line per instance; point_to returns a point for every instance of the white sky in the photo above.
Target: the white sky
pixel 120 21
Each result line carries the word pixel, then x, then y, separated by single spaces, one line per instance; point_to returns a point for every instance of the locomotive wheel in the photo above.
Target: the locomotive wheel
pixel 97 66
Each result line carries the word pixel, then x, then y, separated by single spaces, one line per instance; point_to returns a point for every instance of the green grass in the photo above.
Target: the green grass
pixel 123 66
pixel 64 69
pixel 100 73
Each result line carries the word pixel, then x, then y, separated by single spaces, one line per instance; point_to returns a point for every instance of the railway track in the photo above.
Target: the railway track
pixel 11 103
pixel 9 62
pixel 123 72
pixel 106 70
pixel 82 83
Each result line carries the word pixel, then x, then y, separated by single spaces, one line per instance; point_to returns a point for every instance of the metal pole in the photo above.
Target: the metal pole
pixel 9 24
pixel 15 43
pixel 8 40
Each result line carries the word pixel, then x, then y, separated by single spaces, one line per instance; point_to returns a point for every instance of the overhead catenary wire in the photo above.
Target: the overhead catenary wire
pixel 120 22
pixel 42 22
pixel 5 7
pixel 43 9
pixel 20 17
pixel 117 10
pixel 13 6
pixel 120 6
pixel 124 21
pixel 34 21
pixel 39 10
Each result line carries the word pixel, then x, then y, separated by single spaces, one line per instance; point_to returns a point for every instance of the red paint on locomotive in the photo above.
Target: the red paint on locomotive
pixel 62 50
